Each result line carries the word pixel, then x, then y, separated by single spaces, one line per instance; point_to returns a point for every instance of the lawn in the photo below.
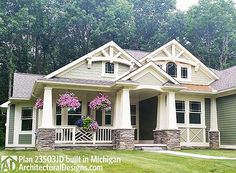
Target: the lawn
pixel 139 161
pixel 224 153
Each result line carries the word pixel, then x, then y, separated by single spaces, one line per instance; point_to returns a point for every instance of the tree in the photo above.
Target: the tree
pixel 211 32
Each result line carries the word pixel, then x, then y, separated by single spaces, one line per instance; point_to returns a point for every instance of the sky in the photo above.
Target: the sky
pixel 185 4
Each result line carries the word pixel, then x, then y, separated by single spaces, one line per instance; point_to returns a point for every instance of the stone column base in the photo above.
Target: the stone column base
pixel 45 139
pixel 214 139
pixel 123 139
pixel 169 137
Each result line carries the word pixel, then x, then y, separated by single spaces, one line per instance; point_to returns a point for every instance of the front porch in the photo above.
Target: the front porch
pixel 138 117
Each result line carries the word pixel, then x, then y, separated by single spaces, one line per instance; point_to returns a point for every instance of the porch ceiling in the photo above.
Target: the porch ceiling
pixel 143 94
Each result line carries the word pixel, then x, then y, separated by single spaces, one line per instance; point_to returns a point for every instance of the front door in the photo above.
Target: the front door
pixel 147 118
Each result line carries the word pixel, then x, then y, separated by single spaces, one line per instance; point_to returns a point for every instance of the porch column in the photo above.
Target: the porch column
pixel 64 116
pixel 46 132
pixel 123 134
pixel 167 130
pixel 214 132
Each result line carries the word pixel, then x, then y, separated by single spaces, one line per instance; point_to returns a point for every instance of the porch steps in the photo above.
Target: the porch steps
pixel 150 147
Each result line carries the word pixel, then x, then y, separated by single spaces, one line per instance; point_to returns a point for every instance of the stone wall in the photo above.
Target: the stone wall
pixel 123 139
pixel 169 137
pixel 45 139
pixel 214 139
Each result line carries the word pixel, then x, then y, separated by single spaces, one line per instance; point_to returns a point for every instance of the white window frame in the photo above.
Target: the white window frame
pixel 27 107
pixel 187 100
pixel 182 112
pixel 80 114
pixel 111 75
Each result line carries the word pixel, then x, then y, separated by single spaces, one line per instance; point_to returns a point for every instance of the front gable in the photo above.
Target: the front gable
pixel 198 73
pixel 92 65
pixel 150 74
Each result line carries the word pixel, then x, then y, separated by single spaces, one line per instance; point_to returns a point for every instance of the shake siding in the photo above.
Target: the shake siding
pixel 226 110
pixel 11 124
pixel 207 116
pixel 200 78
pixel 149 79
pixel 25 139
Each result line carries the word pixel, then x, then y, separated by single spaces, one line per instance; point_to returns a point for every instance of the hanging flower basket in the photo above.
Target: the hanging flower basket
pixel 39 104
pixel 87 124
pixel 68 100
pixel 101 102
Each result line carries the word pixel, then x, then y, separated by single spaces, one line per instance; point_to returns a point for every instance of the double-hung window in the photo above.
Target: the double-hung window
pixel 180 111
pixel 184 72
pixel 133 114
pixel 74 115
pixel 194 112
pixel 26 118
pixel 109 68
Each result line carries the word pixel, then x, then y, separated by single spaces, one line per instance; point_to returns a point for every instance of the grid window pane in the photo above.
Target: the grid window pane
pixel 108 119
pixel 26 119
pixel 180 105
pixel 74 115
pixel 184 72
pixel 180 111
pixel 58 120
pixel 171 69
pixel 133 120
pixel 73 118
pixel 195 106
pixel 109 68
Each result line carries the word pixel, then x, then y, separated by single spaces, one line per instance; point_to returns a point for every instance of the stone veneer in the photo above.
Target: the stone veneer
pixel 169 137
pixel 214 139
pixel 45 139
pixel 123 139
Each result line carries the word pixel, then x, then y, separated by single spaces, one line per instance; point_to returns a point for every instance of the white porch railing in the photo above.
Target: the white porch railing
pixel 75 135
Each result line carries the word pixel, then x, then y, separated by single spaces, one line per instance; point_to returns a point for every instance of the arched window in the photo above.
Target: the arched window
pixel 171 69
pixel 109 68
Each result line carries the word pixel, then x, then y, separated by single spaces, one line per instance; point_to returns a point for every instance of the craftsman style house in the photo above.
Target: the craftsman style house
pixel 165 98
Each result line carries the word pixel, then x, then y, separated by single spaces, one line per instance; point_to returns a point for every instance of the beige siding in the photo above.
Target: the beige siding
pixel 149 79
pixel 199 77
pixel 122 69
pixel 207 116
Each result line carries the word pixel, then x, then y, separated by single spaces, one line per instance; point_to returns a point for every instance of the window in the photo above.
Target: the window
pixel 26 119
pixel 184 72
pixel 109 68
pixel 58 115
pixel 133 114
pixel 194 112
pixel 171 69
pixel 107 117
pixel 180 111
pixel 74 115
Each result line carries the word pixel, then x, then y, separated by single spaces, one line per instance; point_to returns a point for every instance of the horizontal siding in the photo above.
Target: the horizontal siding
pixel 149 79
pixel 198 77
pixel 122 69
pixel 207 116
pixel 11 124
pixel 25 138
pixel 226 110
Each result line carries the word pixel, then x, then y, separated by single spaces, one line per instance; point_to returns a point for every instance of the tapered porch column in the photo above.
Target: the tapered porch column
pixel 167 130
pixel 46 132
pixel 123 134
pixel 214 132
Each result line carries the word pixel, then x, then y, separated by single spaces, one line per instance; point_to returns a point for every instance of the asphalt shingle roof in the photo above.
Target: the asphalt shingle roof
pixel 23 84
pixel 227 79
pixel 137 54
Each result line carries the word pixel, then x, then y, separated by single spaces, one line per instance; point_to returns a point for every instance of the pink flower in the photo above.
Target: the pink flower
pixel 39 104
pixel 68 100
pixel 101 102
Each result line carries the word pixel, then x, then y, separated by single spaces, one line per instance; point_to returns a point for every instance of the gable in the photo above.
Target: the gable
pixel 149 79
pixel 92 63
pixel 198 73
pixel 150 74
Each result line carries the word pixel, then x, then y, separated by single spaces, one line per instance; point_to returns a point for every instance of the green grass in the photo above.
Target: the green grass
pixel 139 161
pixel 224 153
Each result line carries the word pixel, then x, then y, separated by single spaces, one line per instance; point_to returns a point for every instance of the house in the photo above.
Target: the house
pixel 166 97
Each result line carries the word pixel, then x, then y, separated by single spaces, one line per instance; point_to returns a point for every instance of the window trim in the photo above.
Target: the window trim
pixel 111 75
pixel 184 111
pixel 190 112
pixel 32 118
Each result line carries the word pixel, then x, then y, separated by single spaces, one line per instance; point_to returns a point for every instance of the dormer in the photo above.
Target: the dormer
pixel 179 63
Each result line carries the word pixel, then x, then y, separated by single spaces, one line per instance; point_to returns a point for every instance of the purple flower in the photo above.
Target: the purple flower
pixel 39 104
pixel 94 126
pixel 68 100
pixel 101 102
